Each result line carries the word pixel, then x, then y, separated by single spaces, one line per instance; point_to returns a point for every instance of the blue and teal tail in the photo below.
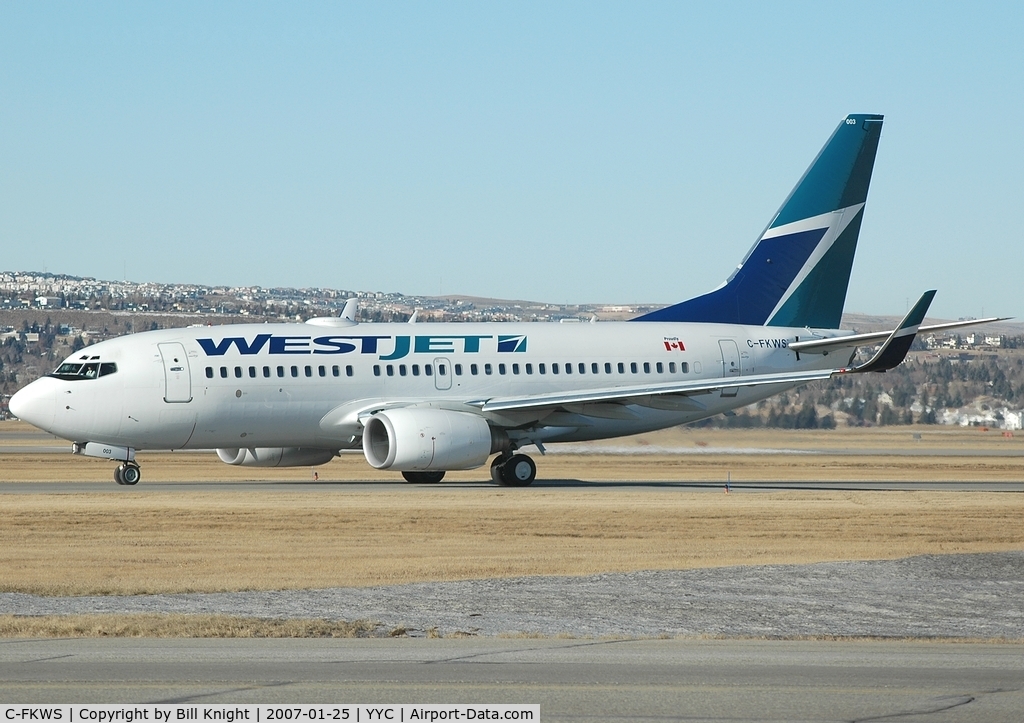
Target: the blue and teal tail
pixel 798 271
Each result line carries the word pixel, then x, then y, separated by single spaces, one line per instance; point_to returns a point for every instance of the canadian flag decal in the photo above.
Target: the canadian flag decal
pixel 674 344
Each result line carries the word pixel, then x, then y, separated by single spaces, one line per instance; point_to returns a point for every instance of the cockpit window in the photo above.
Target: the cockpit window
pixel 72 372
pixel 67 370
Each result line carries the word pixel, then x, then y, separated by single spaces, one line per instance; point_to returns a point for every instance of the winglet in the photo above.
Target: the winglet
pixel 351 310
pixel 895 348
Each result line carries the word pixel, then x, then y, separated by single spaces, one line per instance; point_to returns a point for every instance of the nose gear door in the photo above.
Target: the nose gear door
pixel 177 377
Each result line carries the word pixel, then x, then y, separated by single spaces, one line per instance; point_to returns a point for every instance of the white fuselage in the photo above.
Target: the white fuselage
pixel 308 385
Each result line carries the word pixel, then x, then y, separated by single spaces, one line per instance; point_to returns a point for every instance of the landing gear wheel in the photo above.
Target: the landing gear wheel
pixel 128 474
pixel 496 469
pixel 518 471
pixel 429 478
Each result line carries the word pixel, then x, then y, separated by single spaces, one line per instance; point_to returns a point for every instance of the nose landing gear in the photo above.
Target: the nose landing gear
pixel 127 473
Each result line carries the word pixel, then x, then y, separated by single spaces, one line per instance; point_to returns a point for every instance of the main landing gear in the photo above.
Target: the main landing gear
pixel 507 469
pixel 513 470
pixel 127 473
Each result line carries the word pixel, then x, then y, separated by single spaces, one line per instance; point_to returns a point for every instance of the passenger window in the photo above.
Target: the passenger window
pixel 529 368
pixel 252 372
pixel 238 372
pixel 376 370
pixel 349 371
pixel 671 367
pixel 473 369
pixel 660 367
pixel 266 372
pixel 554 368
pixel 594 368
pixel 501 369
pixel 541 368
pixel 684 367
pixel 633 367
pixel 647 367
pixel 107 368
pixel 415 370
pixel 441 370
pixel 515 368
pixel 607 367
pixel 280 371
pixel 403 370
pixel 295 371
pixel 336 371
pixel 487 369
pixel 622 368
pixel 428 370
pixel 583 368
pixel 223 372
pixel 568 368
pixel 390 369
pixel 209 372
pixel 308 370
pixel 458 370
pixel 322 370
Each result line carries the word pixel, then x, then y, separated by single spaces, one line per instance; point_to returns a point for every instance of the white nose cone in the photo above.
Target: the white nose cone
pixel 36 403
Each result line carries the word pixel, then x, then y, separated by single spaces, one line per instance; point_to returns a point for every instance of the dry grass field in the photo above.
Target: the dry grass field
pixel 176 626
pixel 129 541
pixel 73 544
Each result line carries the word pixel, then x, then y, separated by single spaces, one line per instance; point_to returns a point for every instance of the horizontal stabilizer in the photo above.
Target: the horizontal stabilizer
pixel 823 346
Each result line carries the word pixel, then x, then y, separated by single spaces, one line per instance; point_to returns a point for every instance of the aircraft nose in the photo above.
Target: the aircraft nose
pixel 35 404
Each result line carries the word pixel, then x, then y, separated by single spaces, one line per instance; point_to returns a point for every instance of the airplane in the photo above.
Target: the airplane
pixel 423 399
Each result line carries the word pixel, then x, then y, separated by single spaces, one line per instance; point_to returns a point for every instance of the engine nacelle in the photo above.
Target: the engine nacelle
pixel 276 456
pixel 429 439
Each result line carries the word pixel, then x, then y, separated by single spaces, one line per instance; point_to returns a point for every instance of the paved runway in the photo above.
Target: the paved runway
pixel 974 597
pixel 570 680
pixel 271 486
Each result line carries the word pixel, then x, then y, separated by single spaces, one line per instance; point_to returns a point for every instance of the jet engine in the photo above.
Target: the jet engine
pixel 429 439
pixel 276 456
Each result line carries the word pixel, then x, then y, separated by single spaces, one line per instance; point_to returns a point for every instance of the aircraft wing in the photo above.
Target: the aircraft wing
pixel 626 394
pixel 892 353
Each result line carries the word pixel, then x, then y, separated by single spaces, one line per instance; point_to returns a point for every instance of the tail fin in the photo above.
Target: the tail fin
pixel 798 271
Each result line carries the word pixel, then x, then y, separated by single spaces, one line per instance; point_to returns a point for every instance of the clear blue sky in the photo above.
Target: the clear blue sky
pixel 580 152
